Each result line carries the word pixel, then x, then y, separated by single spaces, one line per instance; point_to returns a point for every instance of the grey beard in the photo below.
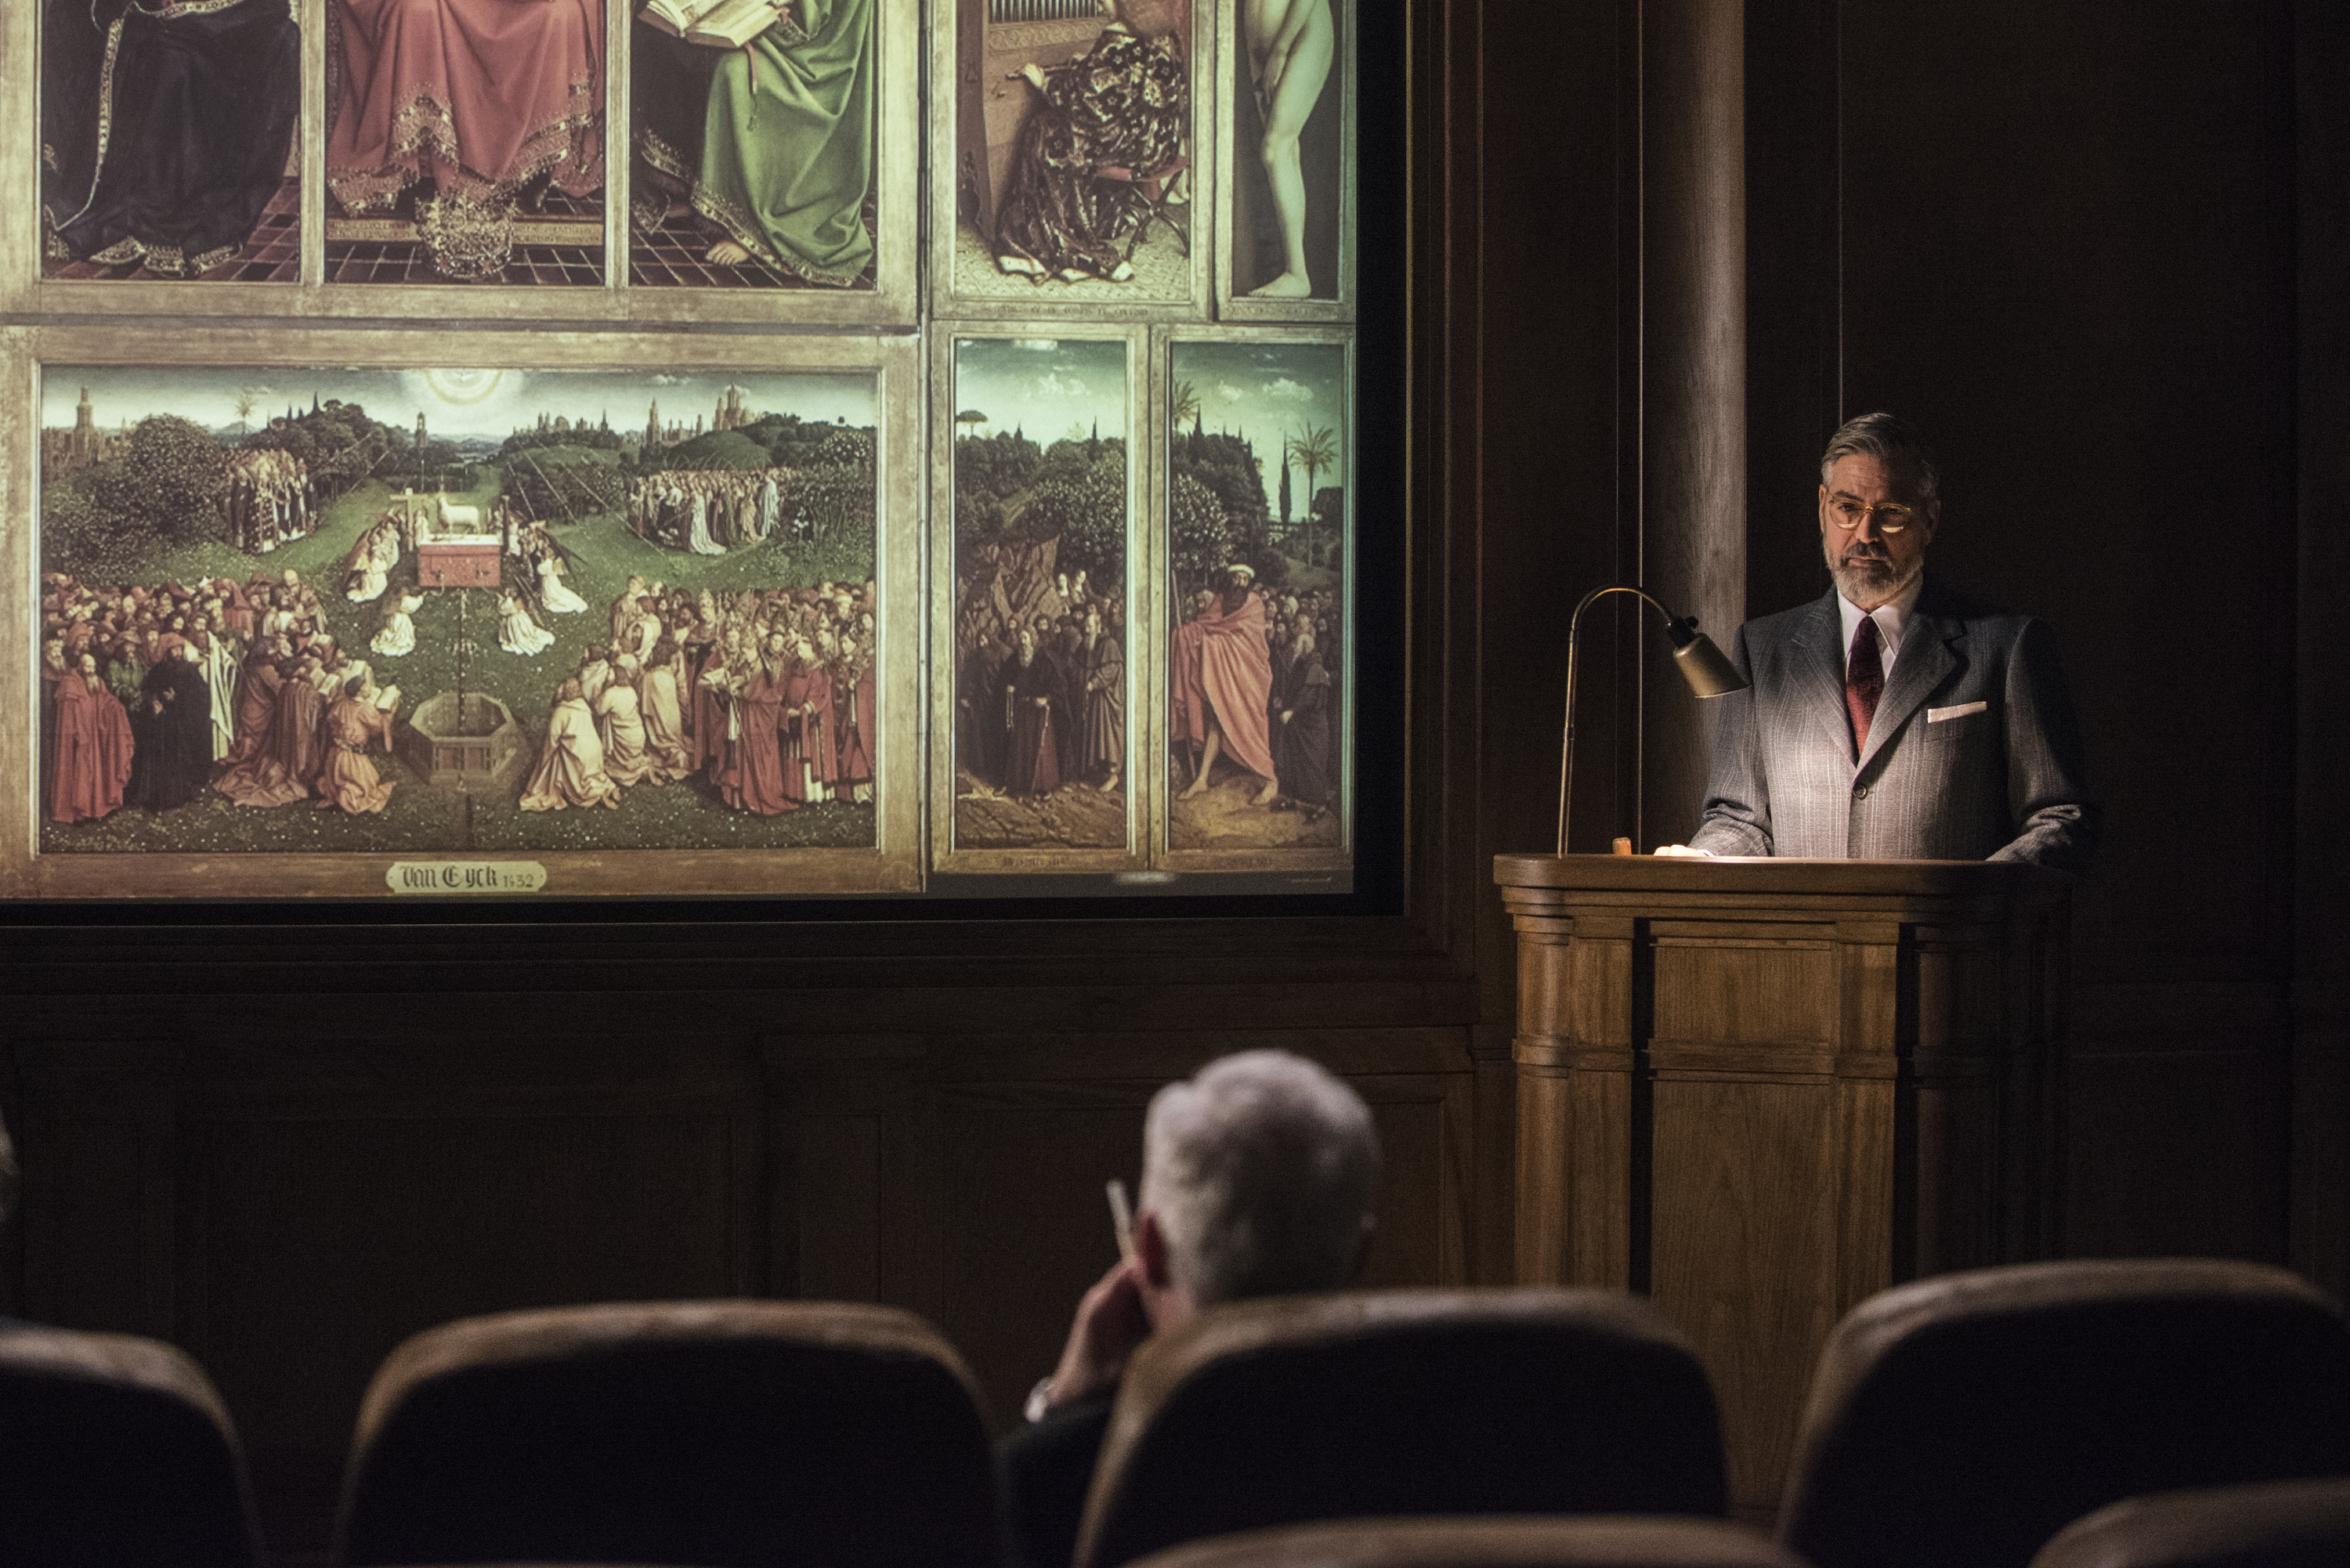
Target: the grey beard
pixel 1867 577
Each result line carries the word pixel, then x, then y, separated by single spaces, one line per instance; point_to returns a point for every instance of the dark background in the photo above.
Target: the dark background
pixel 1655 251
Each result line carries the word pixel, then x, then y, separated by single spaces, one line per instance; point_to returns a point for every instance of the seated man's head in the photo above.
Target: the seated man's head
pixel 1258 1178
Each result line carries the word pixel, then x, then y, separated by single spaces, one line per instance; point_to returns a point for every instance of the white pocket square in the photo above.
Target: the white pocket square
pixel 1936 715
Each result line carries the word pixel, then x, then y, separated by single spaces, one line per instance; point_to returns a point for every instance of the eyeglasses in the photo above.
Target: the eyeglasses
pixel 1850 511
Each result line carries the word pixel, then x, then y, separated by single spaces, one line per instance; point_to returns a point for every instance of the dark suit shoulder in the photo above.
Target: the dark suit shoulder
pixel 1939 599
pixel 1770 630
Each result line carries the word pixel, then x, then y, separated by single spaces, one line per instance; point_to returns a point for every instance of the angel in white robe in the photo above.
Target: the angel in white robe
pixel 517 632
pixel 552 592
pixel 397 635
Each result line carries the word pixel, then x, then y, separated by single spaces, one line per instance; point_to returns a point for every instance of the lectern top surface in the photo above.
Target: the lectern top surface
pixel 1768 874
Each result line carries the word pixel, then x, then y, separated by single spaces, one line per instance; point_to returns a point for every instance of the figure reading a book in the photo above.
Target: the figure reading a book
pixel 1107 125
pixel 485 99
pixel 770 142
pixel 164 128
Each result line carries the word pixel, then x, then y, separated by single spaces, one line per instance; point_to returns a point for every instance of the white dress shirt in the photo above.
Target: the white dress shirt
pixel 1890 616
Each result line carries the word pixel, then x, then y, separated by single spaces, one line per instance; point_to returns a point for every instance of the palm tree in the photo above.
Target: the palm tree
pixel 1313 451
pixel 245 402
pixel 1186 404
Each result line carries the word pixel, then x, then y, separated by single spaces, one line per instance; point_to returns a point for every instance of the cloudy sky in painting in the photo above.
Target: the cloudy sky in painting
pixel 1044 387
pixel 456 404
pixel 1266 392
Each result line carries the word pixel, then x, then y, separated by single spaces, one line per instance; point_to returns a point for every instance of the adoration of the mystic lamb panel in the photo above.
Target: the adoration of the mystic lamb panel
pixel 754 139
pixel 1074 152
pixel 1257 536
pixel 464 141
pixel 167 146
pixel 1041 487
pixel 456 610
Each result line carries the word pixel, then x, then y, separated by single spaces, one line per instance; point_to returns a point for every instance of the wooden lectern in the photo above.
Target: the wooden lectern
pixel 1759 1091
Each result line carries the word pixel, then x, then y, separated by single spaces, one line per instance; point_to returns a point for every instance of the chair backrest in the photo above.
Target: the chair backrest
pixel 2279 1524
pixel 730 1434
pixel 116 1449
pixel 1402 1402
pixel 1964 1419
pixel 1503 1541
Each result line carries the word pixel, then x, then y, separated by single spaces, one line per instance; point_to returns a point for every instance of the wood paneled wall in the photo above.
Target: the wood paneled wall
pixel 289 1150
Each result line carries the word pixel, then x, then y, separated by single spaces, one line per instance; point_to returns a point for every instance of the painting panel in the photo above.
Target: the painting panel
pixel 440 612
pixel 755 162
pixel 1041 476
pixel 466 143
pixel 1077 158
pixel 168 141
pixel 1286 227
pixel 1259 541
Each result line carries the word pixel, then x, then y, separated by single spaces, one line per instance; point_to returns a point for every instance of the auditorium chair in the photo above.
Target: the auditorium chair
pixel 1964 1419
pixel 1285 1410
pixel 723 1434
pixel 1505 1541
pixel 116 1449
pixel 2279 1524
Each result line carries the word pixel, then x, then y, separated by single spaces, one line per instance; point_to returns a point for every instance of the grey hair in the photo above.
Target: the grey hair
pixel 1892 440
pixel 1262 1171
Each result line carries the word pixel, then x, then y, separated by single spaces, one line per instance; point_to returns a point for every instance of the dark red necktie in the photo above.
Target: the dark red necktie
pixel 1864 682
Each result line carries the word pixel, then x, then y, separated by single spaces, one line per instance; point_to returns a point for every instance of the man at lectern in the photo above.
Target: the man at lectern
pixel 1895 719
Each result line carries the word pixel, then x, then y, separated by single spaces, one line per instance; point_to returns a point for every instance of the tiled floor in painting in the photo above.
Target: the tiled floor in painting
pixel 374 260
pixel 272 254
pixel 675 256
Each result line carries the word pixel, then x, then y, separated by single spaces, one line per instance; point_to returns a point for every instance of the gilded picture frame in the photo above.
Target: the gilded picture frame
pixel 892 865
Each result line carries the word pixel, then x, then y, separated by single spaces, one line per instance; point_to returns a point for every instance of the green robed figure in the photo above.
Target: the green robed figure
pixel 771 144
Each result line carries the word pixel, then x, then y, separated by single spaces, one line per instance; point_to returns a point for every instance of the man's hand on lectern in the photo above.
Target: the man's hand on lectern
pixel 1683 852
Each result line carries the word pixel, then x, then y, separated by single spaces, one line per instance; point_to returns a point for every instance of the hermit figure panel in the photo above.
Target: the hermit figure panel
pixel 167 146
pixel 1042 479
pixel 1258 545
pixel 465 141
pixel 456 611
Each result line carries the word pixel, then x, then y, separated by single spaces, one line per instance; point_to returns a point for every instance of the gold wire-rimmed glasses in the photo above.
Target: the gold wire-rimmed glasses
pixel 1850 511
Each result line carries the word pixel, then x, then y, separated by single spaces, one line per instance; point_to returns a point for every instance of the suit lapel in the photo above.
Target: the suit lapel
pixel 1925 661
pixel 1817 671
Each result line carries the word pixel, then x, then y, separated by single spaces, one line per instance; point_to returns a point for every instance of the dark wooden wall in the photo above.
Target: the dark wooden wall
pixel 2097 249
pixel 2061 239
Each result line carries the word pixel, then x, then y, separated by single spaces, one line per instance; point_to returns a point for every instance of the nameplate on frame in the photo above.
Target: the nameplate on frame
pixel 466 876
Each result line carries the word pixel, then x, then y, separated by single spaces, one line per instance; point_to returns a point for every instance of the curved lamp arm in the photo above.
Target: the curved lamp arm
pixel 1709 674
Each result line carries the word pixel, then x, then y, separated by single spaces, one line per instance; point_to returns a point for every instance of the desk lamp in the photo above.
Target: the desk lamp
pixel 1709 674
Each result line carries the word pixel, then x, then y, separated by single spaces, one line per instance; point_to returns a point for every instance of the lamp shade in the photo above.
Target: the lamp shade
pixel 1702 664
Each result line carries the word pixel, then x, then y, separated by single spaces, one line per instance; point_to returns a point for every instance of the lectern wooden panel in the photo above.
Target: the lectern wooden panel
pixel 1762 1090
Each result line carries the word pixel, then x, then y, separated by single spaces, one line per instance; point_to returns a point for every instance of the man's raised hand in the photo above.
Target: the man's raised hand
pixel 1109 1326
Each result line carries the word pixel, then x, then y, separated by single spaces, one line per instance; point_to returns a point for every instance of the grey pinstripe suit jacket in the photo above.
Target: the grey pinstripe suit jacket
pixel 2003 782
